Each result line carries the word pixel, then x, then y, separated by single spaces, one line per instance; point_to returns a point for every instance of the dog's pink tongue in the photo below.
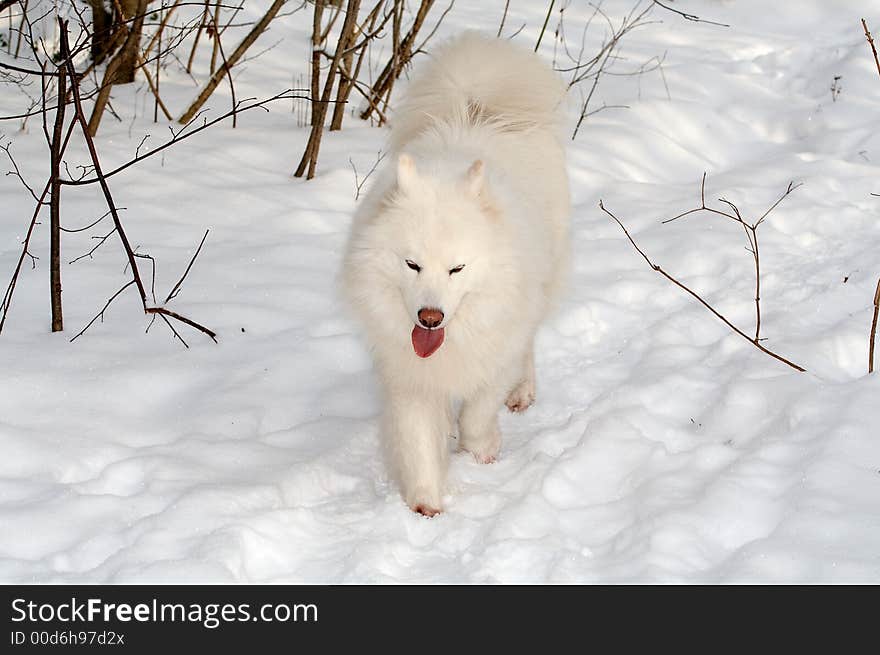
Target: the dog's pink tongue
pixel 426 342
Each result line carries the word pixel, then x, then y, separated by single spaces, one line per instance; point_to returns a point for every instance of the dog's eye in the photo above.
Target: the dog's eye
pixel 455 270
pixel 413 265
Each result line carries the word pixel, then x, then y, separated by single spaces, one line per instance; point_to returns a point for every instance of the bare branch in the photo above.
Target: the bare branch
pixel 182 319
pixel 544 26
pixel 421 46
pixel 871 43
pixel 182 134
pixel 16 171
pixel 175 289
pixel 100 314
pixel 754 342
pixel 153 276
pixel 90 225
pixel 10 288
pixel 203 23
pixel 359 183
pixel 218 43
pixel 101 241
pixel 168 323
pixel 686 16
pixel 503 18
pixel 873 335
pixel 751 232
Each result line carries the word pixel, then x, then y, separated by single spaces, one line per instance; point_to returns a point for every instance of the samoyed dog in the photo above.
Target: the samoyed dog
pixel 457 253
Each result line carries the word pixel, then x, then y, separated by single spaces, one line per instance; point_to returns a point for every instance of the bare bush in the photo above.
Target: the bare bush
pixel 60 85
pixel 347 56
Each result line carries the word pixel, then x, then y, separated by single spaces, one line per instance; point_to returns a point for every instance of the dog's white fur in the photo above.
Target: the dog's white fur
pixel 478 178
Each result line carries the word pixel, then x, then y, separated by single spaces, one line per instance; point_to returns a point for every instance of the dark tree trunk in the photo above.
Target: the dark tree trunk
pixel 102 30
pixel 55 206
pixel 135 11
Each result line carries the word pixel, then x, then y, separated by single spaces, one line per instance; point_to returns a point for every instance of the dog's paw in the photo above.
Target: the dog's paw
pixel 522 397
pixel 488 454
pixel 424 500
pixel 426 510
pixel 483 446
pixel 484 458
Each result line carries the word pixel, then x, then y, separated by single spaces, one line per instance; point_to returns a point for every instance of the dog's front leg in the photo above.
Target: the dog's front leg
pixel 480 434
pixel 522 395
pixel 417 428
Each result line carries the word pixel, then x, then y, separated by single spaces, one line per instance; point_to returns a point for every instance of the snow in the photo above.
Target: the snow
pixel 662 447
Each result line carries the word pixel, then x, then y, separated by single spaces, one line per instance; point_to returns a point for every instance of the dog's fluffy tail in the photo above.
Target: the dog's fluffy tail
pixel 477 78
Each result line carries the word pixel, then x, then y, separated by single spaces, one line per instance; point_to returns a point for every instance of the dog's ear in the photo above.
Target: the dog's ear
pixel 475 183
pixel 475 178
pixel 407 175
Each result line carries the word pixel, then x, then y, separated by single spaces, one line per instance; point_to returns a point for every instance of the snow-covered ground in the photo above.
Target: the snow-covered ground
pixel 662 447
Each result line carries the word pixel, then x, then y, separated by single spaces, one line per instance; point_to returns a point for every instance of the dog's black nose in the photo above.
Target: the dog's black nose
pixel 430 317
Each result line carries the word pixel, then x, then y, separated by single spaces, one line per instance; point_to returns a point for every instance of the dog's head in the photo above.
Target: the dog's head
pixel 437 232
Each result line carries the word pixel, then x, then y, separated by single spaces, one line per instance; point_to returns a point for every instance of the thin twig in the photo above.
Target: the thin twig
pixel 873 329
pixel 181 134
pixel 182 319
pixel 503 18
pixel 871 43
pixel 90 225
pixel 202 24
pixel 101 240
pixel 153 275
pixel 544 26
pixel 100 314
pixel 690 17
pixel 176 333
pixel 359 183
pixel 873 334
pixel 154 89
pixel 218 41
pixel 10 288
pixel 16 171
pixel 421 46
pixel 176 287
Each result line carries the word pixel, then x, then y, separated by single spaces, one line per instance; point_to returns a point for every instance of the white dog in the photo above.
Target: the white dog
pixel 458 251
